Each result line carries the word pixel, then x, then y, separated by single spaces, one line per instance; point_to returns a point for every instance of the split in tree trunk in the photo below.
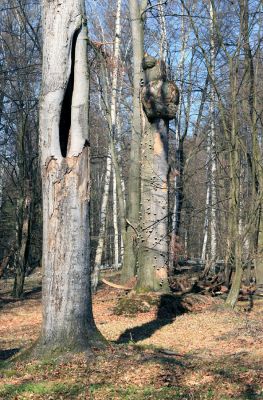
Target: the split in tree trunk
pixel 68 323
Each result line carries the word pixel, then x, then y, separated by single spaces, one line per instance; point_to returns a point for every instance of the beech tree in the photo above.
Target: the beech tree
pixel 147 222
pixel 67 314
pixel 137 15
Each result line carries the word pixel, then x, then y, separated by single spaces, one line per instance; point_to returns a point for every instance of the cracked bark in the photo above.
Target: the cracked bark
pixel 68 323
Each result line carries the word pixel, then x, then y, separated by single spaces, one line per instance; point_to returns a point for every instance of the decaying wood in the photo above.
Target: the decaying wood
pixel 115 286
pixel 170 353
pixel 68 322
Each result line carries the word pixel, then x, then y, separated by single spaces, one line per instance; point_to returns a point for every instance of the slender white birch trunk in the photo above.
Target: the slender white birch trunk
pixel 163 41
pixel 114 98
pixel 116 61
pixel 206 222
pixel 115 223
pixel 112 126
pixel 103 213
pixel 212 135
pixel 118 127
pixel 211 198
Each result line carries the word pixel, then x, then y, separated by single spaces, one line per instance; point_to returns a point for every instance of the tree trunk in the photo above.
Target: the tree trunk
pixel 3 149
pixel 180 135
pixel 20 261
pixel 67 313
pixel 133 200
pixel 111 116
pixel 115 223
pixel 179 142
pixel 251 81
pixel 179 185
pixel 1 186
pixel 206 221
pixel 153 256
pixel 212 142
pixel 210 212
pixel 237 279
pixel 163 38
pixel 234 161
pixel 103 212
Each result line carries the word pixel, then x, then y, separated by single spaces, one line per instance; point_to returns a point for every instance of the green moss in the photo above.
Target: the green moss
pixel 4 364
pixel 9 373
pixel 145 289
pixel 134 304
pixel 64 349
pixel 41 388
pixel 47 365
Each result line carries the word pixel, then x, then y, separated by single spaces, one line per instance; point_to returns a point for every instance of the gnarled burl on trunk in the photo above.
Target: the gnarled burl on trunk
pixel 160 98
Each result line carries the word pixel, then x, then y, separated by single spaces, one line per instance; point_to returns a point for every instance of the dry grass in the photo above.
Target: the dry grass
pixel 215 353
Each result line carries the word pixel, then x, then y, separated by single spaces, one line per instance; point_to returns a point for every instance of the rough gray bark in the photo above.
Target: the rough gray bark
pixel 160 99
pixel 1 186
pixel 251 80
pixel 153 252
pixel 67 314
pixel 234 204
pixel 213 222
pixel 133 201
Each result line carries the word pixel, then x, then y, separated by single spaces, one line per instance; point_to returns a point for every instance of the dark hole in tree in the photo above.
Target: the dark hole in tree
pixel 65 116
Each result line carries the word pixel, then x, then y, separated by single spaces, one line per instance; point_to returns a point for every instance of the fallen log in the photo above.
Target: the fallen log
pixel 170 352
pixel 115 286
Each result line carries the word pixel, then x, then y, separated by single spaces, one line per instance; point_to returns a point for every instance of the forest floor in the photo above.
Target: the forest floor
pixel 209 352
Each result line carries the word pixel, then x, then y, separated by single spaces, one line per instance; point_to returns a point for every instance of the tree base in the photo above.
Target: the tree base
pixel 63 350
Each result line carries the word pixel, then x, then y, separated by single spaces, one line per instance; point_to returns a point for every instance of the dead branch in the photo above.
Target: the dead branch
pixel 133 227
pixel 115 286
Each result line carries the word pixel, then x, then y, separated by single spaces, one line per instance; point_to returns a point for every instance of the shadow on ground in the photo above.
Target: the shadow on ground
pixel 33 293
pixel 168 308
pixel 6 354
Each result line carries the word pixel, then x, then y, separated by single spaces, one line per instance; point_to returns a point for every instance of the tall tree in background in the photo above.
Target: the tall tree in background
pixel 20 217
pixel 111 88
pixel 255 154
pixel 67 313
pixel 148 174
pixel 137 16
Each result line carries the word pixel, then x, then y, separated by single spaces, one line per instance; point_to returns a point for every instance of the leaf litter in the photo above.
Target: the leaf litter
pixel 206 352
